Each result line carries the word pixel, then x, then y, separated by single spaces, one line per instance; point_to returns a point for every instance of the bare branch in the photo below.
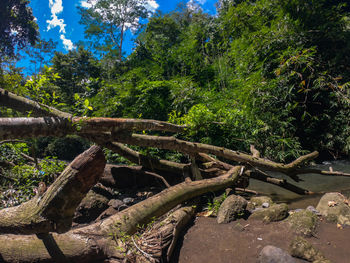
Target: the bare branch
pixel 172 143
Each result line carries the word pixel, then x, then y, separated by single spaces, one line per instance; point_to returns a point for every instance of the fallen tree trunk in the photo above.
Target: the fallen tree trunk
pixel 171 143
pixel 150 163
pixel 53 210
pixel 158 242
pixel 24 105
pixel 12 128
pixel 93 242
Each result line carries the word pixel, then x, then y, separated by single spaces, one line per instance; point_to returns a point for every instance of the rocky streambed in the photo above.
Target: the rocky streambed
pixel 260 230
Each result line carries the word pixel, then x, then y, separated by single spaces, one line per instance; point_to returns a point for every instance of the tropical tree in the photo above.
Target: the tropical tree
pixel 110 19
pixel 79 72
pixel 40 54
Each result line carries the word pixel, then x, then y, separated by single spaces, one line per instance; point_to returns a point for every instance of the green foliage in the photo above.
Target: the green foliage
pixel 79 74
pixel 25 178
pixel 41 88
pixel 12 152
pixel 216 203
pixel 66 148
pixel 82 106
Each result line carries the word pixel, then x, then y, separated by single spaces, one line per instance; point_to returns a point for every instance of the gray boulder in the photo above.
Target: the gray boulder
pixel 313 210
pixel 232 208
pixel 303 222
pixel 90 207
pixel 275 212
pixel 301 248
pixel 335 208
pixel 271 254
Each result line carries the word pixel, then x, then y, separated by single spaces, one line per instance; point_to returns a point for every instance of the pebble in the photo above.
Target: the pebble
pixel 115 203
pixel 271 254
pixel 128 200
pixel 265 205
pixel 313 210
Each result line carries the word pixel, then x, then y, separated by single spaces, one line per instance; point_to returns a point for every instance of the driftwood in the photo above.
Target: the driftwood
pixel 43 224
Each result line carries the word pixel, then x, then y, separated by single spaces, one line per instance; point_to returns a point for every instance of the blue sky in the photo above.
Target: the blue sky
pixel 59 20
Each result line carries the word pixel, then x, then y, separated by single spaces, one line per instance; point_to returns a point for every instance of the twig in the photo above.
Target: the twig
pixel 149 256
pixel 254 151
pixel 246 190
pixel 160 177
pixel 29 158
pixel 323 172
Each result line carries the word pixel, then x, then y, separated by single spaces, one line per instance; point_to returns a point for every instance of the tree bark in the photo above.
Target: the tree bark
pixel 11 128
pixel 25 105
pixel 53 210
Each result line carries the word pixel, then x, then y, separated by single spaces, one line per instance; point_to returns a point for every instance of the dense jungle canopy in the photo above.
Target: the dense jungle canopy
pixel 272 73
pixel 269 73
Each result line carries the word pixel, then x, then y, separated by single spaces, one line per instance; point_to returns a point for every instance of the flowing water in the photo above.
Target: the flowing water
pixel 313 182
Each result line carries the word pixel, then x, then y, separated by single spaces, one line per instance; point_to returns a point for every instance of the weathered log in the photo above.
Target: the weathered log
pixel 322 172
pixel 148 162
pixel 98 125
pixel 262 176
pixel 159 204
pixel 53 210
pixel 26 105
pixel 171 143
pixel 278 182
pixel 11 128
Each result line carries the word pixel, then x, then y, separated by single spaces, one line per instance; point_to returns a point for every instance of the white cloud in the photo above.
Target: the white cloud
pixel 67 43
pixel 152 5
pixel 57 8
pixel 55 22
pixel 88 3
pixel 194 5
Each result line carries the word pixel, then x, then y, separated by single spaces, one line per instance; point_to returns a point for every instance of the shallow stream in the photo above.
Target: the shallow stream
pixel 313 182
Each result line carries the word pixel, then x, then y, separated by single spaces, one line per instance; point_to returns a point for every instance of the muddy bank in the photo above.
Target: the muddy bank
pixel 241 241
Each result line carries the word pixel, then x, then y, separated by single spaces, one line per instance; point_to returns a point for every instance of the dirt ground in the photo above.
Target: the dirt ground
pixel 241 241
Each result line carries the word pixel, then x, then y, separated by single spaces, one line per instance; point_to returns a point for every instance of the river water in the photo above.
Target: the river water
pixel 313 182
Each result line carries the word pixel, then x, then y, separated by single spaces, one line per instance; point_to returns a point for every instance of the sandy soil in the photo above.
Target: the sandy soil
pixel 241 241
